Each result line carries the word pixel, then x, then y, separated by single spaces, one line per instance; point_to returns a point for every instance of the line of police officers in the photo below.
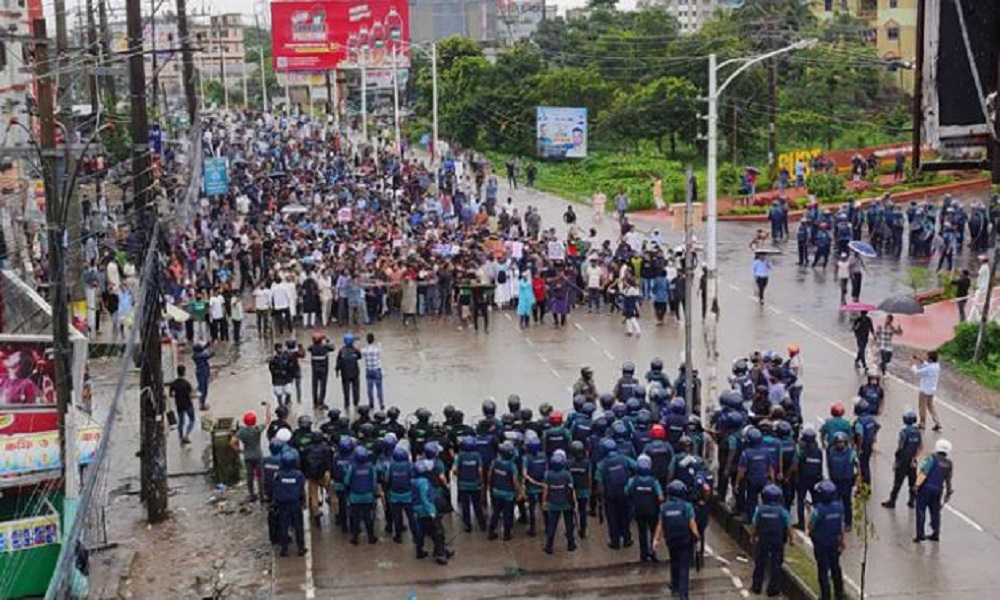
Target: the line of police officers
pixel 632 455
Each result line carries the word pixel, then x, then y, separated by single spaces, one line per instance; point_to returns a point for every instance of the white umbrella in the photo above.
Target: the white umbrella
pixel 176 313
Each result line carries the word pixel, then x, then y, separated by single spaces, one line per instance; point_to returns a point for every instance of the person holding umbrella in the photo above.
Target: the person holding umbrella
pixel 884 335
pixel 863 328
pixel 856 268
pixel 761 272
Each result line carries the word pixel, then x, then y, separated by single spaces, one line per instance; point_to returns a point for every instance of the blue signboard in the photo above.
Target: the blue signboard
pixel 216 177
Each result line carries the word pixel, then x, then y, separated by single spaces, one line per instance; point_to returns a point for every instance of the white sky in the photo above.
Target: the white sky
pixel 245 6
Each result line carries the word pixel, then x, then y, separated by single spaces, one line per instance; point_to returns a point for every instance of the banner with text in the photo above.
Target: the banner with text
pixel 339 34
pixel 561 132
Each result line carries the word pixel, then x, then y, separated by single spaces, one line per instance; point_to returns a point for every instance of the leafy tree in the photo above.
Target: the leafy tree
pixel 666 108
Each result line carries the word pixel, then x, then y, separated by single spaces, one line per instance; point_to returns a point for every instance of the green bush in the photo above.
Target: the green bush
pixel 749 210
pixel 962 347
pixel 825 185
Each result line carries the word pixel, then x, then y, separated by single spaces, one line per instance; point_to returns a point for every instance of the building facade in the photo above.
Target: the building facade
pixel 432 20
pixel 690 14
pixel 518 20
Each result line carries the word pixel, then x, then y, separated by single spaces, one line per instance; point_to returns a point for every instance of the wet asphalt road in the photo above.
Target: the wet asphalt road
pixel 434 364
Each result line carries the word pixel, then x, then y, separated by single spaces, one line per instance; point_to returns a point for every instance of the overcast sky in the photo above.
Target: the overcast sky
pixel 245 6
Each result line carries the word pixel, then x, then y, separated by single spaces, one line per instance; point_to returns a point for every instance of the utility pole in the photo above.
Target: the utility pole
pixel 918 87
pixel 95 59
pixel 688 289
pixel 336 102
pixel 364 103
pixel 187 61
pixel 329 91
pixel 222 60
pixel 395 102
pixel 110 93
pixel 772 116
pixel 57 268
pixel 263 73
pixel 434 100
pixel 996 125
pixel 985 318
pixel 152 41
pixel 153 457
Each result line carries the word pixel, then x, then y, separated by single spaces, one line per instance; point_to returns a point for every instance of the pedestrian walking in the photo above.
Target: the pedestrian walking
pixel 826 531
pixel 319 360
pixel 883 336
pixel 247 439
pixel 181 391
pixel 597 204
pixel 631 302
pixel 856 268
pixel 863 328
pixel 202 370
pixel 929 371
pixel 934 490
pixel 904 466
pixel 843 273
pixel 761 268
pixel 525 300
pixel 962 285
pixel 262 308
pixel 372 354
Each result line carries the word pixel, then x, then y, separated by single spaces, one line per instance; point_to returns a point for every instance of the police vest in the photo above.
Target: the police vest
pixel 644 497
pixel 869 427
pixel 660 455
pixel 502 478
pixel 770 524
pixel 758 460
pixel 615 475
pixel 811 462
pixel 787 446
pixel 558 485
pixel 940 471
pixel 468 467
pixel 287 487
pixel 556 439
pixel 485 446
pixel 626 387
pixel 674 521
pixel 910 443
pixel 400 477
pixel 838 463
pixel 829 524
pixel 270 466
pixel 581 429
pixel 535 467
pixel 639 440
pixel 340 468
pixel 362 480
pixel 676 424
pixel 580 470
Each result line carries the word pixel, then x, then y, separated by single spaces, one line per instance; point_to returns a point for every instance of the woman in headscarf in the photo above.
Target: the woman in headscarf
pixel 525 300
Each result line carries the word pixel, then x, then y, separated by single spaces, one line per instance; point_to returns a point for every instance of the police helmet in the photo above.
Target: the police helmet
pixel 586 373
pixel 694 423
pixel 754 436
pixel 284 435
pixel 423 415
pixel 840 438
pixel 489 408
pixel 771 494
pixel 644 417
pixel 606 401
pixel 628 368
pixel 544 409
pixel 861 407
pixel 783 429
pixel 366 430
pixel 348 339
pixel 276 446
pixel 676 489
pixel 400 453
pixel 577 449
pixel 588 408
pixel 836 409
pixel 344 422
pixel 513 403
pixel 644 464
pixel 731 399
pixel 526 414
pixel 658 432
pixel 677 406
pixel 305 422
pixel 656 364
pixel 578 402
pixel 600 425
pixel 632 406
pixel 825 490
pixel 808 434
pixel 558 460
pixel 457 417
pixel 608 445
pixel 288 460
pixel 361 454
pixel 432 449
pixel 618 410
pixel 424 467
pixel 942 446
pixel 737 420
pixel 392 413
pixel 533 444
pixel 639 392
pixel 448 411
pixel 379 417
pixel 508 420
pixel 740 367
pixel 506 450
pixel 685 443
pixel 909 417
pixel 333 414
pixel 618 429
pixel 468 443
pixel 555 418
pixel 363 411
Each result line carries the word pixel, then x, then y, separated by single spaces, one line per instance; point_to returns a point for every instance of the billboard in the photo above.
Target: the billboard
pixel 339 34
pixel 26 377
pixel 216 176
pixel 960 71
pixel 561 132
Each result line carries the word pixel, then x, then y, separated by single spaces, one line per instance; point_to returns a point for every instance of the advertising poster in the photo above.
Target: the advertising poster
pixel 339 34
pixel 29 442
pixel 32 532
pixel 26 375
pixel 561 132
pixel 216 177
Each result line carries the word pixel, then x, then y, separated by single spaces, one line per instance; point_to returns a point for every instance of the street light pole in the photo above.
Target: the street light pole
pixel 395 101
pixel 712 208
pixel 434 99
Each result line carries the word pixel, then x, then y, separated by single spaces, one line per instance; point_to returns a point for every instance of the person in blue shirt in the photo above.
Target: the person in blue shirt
pixel 677 527
pixel 826 529
pixel 761 272
pixel 505 487
pixel 842 468
pixel 646 495
pixel 908 446
pixel 533 467
pixel 866 428
pixel 360 480
pixel 933 489
pixel 202 370
pixel 289 499
pixel 770 529
pixel 559 500
pixel 468 471
pixel 428 522
pixel 399 481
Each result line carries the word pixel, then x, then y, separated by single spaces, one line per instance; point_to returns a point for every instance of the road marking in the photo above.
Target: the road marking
pixel 948 405
pixel 734 288
pixel 727 571
pixel 964 517
pixel 608 354
pixel 507 316
pixel 593 339
pixel 310 582
pixel 529 342
pixel 555 373
pixel 578 326
pixel 745 593
pixel 773 310
pixel 542 358
pixel 569 389
pixel 808 542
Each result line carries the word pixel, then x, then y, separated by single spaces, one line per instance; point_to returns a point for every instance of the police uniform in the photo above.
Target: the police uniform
pixel 645 492
pixel 534 466
pixel 400 496
pixel 808 472
pixel 468 469
pixel 503 489
pixel 559 503
pixel 937 471
pixel 613 474
pixel 771 523
pixel 289 493
pixel 675 524
pixel 904 463
pixel 581 470
pixel 360 483
pixel 826 527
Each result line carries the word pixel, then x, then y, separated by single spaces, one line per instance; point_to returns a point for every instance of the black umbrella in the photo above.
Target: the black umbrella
pixel 901 305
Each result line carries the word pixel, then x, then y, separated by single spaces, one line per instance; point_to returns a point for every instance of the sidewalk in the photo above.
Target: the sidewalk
pixel 933 328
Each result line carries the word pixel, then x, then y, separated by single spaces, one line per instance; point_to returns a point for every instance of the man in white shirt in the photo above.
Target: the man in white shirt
pixel 281 302
pixel 217 314
pixel 262 307
pixel 930 373
pixel 593 274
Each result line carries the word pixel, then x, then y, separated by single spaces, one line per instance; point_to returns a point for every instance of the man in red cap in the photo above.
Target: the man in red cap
pixel 248 436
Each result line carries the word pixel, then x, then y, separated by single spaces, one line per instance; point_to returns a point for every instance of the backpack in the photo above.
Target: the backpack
pixel 502 277
pixel 316 460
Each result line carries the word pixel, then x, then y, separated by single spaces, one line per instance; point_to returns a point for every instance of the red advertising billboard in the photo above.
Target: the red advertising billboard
pixel 339 34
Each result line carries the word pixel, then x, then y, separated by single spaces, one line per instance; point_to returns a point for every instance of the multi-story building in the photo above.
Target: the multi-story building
pixel 690 14
pixel 432 20
pixel 518 19
pixel 16 82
